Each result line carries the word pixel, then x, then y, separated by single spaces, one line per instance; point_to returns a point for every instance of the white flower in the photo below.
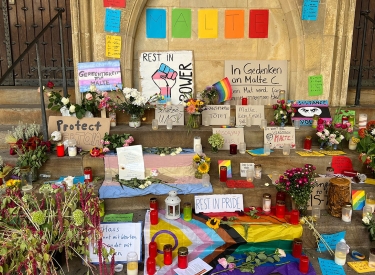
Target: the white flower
pixel 72 109
pixel 366 220
pixel 148 183
pixel 173 154
pixel 281 112
pixel 127 90
pixel 65 100
pixel 319 134
pixel 162 155
pixel 142 186
pixel 134 93
pixel 281 253
pixel 179 149
pixel 326 132
pixel 56 136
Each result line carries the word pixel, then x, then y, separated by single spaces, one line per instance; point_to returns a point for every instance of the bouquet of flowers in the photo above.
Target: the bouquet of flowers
pixel 111 142
pixel 369 222
pixel 282 112
pixel 298 183
pixel 216 141
pixel 328 135
pixel 194 107
pixel 366 145
pixel 211 94
pixel 202 164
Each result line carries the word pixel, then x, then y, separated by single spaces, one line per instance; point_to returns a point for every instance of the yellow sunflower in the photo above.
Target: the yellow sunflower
pixel 196 158
pixel 207 159
pixel 213 223
pixel 203 168
pixel 13 183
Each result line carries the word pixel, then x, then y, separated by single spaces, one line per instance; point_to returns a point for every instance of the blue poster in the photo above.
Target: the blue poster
pixel 112 20
pixel 156 23
pixel 310 9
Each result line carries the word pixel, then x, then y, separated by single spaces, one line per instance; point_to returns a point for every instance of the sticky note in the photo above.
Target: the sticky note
pixel 310 10
pixel 208 23
pixel 361 267
pixel 112 20
pixel 331 240
pixel 113 46
pixel 181 23
pixel 315 85
pixel 329 267
pixel 156 23
pixel 358 199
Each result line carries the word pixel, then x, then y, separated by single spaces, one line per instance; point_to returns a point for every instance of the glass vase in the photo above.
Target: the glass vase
pixel 198 175
pixel 194 121
pixel 214 149
pixel 135 121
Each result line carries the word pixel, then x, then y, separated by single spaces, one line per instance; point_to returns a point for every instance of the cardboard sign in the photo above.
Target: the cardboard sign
pixel 230 135
pixel 168 73
pixel 86 131
pixel 278 136
pixel 306 109
pixel 174 112
pixel 244 167
pixel 218 203
pixel 257 79
pixel 123 237
pixel 218 114
pixel 255 111
pixel 130 162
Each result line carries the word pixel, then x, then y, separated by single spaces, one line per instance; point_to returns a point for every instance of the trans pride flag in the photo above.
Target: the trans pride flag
pixel 224 88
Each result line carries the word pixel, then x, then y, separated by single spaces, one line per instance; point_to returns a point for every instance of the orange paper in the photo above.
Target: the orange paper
pixel 234 23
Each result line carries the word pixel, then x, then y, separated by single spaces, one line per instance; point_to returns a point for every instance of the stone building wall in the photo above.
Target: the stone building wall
pixel 310 47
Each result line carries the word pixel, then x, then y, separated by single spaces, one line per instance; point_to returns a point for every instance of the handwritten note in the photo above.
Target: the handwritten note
pixel 113 46
pixel 244 167
pixel 361 267
pixel 118 217
pixel 218 203
pixel 310 9
pixel 123 237
pixel 230 135
pixel 315 85
pixel 131 163
pixel 112 20
pixel 218 114
pixel 254 111
pixel 331 240
pixel 329 267
pixel 278 136
pixel 174 112
pixel 114 3
pixel 319 195
pixel 257 80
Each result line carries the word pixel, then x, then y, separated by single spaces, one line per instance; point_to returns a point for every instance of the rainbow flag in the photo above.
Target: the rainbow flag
pixel 224 88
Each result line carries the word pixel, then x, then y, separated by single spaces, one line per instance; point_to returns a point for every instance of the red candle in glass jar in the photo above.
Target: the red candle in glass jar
pixel 167 250
pixel 297 248
pixel 233 149
pixel 294 217
pixel 244 101
pixel 153 203
pixel 87 172
pixel 151 265
pixel 154 217
pixel 280 209
pixel 152 249
pixel 60 150
pixel 183 257
pixel 304 264
pixel 223 173
pixel 307 144
pixel 280 196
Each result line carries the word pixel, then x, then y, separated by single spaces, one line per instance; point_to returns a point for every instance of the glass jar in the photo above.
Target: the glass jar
pixel 154 217
pixel 233 149
pixel 307 143
pixel 223 173
pixel 297 248
pixel 113 117
pixel 371 258
pixel 347 212
pixel 87 172
pixel 188 213
pixel 132 263
pixel 183 257
pixel 152 249
pixel 280 209
pixel 151 265
pixel 72 148
pixel 60 150
pixel 167 250
pixel 266 203
pixel 280 196
pixel 258 171
pixel 340 253
pixel 315 121
pixel 25 176
pixel 153 203
pixel 250 175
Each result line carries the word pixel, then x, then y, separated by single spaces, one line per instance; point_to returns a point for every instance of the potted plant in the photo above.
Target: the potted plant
pixel 34 228
pixel 210 94
pixel 216 141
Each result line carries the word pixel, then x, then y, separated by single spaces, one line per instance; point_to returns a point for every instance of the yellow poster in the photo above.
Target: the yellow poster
pixel 361 267
pixel 113 46
pixel 208 23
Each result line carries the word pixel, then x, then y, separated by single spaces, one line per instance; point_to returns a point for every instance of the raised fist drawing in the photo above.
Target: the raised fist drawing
pixel 165 79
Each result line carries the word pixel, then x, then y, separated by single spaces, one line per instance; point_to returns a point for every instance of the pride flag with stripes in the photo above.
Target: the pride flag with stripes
pixel 224 89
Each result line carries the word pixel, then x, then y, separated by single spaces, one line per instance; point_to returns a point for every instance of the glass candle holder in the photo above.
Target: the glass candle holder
pixel 280 209
pixel 362 121
pixel 258 171
pixel 249 121
pixel 233 149
pixel 370 200
pixel 197 140
pixel 205 180
pixel 244 101
pixel 297 123
pixel 242 148
pixel 152 249
pixel 286 149
pixel 340 253
pixel 366 210
pixel 297 248
pixel 112 115
pixel 169 124
pixel 167 250
pixel 307 143
pixel 232 121
pixel 151 265
pixel 263 123
pixel 294 217
pixel 315 212
pixel 182 257
pixel 275 176
pixel 304 264
pixel 60 150
pixel 267 149
pixel 155 124
pixel 206 121
pixel 223 173
pixel 154 217
pixel 132 263
pixel 87 172
pixel 153 203
pixel 187 210
pixel 250 175
pixel 346 211
pixel 371 258
pixel 266 203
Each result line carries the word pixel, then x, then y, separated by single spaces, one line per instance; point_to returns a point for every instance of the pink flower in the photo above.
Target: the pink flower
pixel 191 109
pixel 231 266
pixel 223 262
pixel 54 186
pixel 89 96
pixel 105 94
pixel 272 123
pixel 105 150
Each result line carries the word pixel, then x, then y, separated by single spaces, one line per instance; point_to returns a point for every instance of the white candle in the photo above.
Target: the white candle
pixel 362 121
pixel 197 140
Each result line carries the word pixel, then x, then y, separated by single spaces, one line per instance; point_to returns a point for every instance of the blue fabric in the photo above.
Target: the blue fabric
pixel 113 192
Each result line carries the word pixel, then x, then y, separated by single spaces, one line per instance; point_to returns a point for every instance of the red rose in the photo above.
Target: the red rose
pixel 50 84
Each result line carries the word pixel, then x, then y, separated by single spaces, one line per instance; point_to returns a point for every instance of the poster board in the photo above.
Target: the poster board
pixel 218 114
pixel 278 136
pixel 174 112
pixel 257 79
pixel 105 75
pixel 88 132
pixel 218 203
pixel 306 109
pixel 230 135
pixel 255 111
pixel 168 73
pixel 244 167
pixel 124 237
pixel 131 163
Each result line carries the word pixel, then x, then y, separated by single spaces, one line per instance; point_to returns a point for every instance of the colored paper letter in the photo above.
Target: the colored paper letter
pixel 181 23
pixel 234 23
pixel 114 3
pixel 113 46
pixel 156 23
pixel 112 20
pixel 207 23
pixel 258 27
